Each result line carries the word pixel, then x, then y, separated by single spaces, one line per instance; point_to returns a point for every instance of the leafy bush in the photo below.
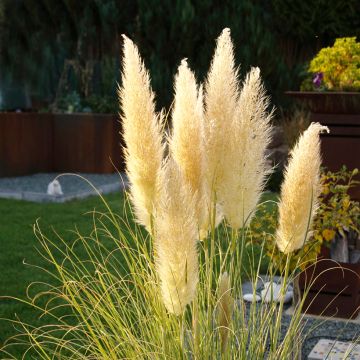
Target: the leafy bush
pixel 278 36
pixel 335 68
pixel 102 104
pixel 72 103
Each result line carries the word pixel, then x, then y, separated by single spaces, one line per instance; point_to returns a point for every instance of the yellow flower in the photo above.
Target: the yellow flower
pixel 328 234
pixel 346 203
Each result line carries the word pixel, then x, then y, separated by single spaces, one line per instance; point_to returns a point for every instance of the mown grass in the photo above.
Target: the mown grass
pixel 19 248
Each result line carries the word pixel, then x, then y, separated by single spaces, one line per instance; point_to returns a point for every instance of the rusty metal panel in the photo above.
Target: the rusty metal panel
pixel 33 142
pixel 87 143
pixel 25 143
pixel 342 145
pixel 334 289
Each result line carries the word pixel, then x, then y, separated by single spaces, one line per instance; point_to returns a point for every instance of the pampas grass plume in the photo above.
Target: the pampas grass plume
pixel 142 134
pixel 225 309
pixel 176 240
pixel 245 168
pixel 186 142
pixel 300 191
pixel 221 94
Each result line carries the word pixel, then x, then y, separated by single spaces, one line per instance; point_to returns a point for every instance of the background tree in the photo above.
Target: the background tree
pixel 56 47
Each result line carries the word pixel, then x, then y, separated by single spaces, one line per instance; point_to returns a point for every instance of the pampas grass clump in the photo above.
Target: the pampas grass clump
pixel 163 293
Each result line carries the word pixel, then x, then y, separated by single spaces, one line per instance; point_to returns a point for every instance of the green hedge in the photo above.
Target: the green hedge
pixel 279 36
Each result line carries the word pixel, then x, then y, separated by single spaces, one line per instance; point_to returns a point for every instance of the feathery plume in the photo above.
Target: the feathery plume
pixel 221 94
pixel 176 240
pixel 142 134
pixel 245 168
pixel 186 142
pixel 225 309
pixel 300 191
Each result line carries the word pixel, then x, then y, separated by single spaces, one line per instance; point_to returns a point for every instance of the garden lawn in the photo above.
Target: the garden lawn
pixel 18 246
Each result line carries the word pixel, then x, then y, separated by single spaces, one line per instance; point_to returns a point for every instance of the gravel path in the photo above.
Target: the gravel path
pixel 34 187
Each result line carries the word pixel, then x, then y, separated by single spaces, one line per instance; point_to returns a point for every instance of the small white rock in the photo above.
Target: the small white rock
pixel 251 298
pixel 272 292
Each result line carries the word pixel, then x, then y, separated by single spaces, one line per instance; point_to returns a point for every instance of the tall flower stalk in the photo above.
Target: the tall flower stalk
pixel 142 132
pixel 187 141
pixel 300 191
pixel 225 309
pixel 176 238
pixel 245 167
pixel 221 96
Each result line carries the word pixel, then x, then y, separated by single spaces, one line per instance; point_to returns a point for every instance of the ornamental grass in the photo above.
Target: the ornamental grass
pixel 170 286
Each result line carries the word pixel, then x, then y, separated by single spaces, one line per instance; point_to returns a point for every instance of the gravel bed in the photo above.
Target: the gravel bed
pixel 315 327
pixel 34 187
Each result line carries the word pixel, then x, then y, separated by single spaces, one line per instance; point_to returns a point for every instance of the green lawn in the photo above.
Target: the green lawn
pixel 18 246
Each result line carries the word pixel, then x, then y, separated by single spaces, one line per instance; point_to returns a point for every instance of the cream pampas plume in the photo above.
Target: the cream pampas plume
pixel 176 240
pixel 142 134
pixel 225 309
pixel 186 142
pixel 245 167
pixel 221 93
pixel 300 191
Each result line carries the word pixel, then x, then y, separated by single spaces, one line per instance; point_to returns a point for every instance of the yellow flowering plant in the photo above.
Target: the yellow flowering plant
pixel 335 68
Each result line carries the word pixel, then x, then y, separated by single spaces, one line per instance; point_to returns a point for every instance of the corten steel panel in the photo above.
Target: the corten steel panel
pixel 334 289
pixel 329 102
pixel 336 305
pixel 87 143
pixel 25 143
pixel 340 111
pixel 342 145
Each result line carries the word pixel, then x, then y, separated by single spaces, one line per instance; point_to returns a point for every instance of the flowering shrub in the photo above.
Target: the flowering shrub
pixel 335 68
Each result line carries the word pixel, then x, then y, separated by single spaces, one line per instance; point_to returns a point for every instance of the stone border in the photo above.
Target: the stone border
pixel 43 197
